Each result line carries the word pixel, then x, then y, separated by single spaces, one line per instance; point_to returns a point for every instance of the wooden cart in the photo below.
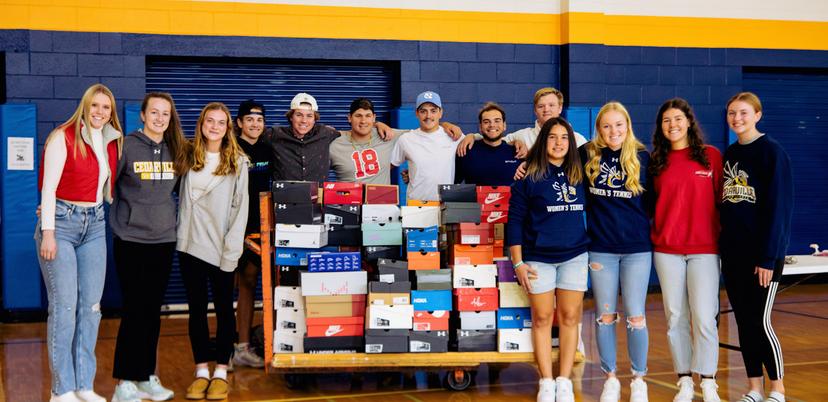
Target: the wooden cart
pixel 458 366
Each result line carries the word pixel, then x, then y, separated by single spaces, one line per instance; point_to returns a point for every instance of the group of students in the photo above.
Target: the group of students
pixel 613 179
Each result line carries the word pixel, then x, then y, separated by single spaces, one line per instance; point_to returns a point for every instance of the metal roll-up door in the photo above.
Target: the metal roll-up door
pixel 194 82
pixel 796 114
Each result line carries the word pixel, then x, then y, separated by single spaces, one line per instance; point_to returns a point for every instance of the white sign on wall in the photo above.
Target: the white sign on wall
pixel 21 153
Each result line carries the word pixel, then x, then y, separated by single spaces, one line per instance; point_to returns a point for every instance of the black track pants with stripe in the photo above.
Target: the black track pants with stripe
pixel 752 306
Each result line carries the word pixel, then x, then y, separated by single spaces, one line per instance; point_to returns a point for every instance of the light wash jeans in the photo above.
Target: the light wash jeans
pixel 690 291
pixel 74 285
pixel 632 272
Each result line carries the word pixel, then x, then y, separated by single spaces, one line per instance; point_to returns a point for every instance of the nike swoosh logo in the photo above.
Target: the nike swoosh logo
pixel 492 198
pixel 333 330
pixel 494 217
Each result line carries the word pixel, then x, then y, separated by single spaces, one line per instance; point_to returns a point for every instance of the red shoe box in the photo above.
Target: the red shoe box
pixel 341 193
pixel 480 299
pixel 335 326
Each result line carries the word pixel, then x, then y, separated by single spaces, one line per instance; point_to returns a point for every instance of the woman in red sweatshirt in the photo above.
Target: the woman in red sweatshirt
pixel 686 186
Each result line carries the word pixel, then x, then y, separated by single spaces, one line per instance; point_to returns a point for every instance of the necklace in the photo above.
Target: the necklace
pixel 363 145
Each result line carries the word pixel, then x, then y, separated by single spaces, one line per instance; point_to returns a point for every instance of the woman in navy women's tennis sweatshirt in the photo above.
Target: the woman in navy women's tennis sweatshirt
pixel 757 204
pixel 548 243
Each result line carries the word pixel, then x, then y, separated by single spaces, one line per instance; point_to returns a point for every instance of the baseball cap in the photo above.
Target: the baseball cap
pixel 247 106
pixel 301 98
pixel 428 97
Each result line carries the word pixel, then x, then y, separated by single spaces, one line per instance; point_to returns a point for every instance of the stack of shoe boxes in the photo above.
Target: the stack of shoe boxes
pixel 335 306
pixel 494 209
pixel 342 206
pixel 432 295
pixel 389 309
pixel 514 318
pixel 381 228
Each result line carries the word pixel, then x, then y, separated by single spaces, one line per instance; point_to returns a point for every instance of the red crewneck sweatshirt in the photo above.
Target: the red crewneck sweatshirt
pixel 686 218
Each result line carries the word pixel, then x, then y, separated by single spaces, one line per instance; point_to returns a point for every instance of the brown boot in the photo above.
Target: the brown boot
pixel 218 390
pixel 198 389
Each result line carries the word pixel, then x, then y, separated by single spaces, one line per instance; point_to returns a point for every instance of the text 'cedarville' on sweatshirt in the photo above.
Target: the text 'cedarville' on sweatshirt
pixel 546 218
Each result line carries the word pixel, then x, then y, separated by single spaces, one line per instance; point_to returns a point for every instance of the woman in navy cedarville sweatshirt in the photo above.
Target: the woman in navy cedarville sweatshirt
pixel 620 252
pixel 757 204
pixel 548 244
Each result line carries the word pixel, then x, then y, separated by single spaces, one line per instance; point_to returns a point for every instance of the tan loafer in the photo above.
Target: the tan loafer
pixel 198 389
pixel 218 390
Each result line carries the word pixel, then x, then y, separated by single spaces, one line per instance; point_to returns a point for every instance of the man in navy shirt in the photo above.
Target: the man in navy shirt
pixel 494 163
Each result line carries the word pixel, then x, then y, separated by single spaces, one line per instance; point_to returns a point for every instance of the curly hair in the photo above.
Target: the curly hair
pixel 661 145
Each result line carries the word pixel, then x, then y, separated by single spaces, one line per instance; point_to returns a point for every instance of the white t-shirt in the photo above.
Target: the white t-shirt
pixel 430 159
pixel 530 134
pixel 200 181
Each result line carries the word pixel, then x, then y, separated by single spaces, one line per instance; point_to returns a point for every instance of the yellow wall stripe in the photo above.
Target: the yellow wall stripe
pixel 300 21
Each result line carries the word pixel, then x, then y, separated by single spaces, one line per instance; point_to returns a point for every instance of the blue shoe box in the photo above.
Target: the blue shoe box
pixel 297 256
pixel 516 317
pixel 331 262
pixel 430 300
pixel 421 239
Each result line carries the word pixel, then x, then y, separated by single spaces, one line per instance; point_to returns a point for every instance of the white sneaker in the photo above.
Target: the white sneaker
pixel 775 397
pixel 126 391
pixel 709 390
pixel 546 390
pixel 88 395
pixel 638 390
pixel 612 390
pixel 686 390
pixel 563 390
pixel 65 397
pixel 246 357
pixel 152 389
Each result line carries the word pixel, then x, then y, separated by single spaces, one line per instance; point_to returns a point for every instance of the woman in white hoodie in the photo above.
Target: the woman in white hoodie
pixel 211 220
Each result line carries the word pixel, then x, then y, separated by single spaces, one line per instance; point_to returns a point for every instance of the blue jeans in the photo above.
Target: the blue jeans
pixel 74 284
pixel 690 292
pixel 632 271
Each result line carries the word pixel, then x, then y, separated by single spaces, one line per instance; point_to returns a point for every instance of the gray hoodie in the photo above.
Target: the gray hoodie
pixel 143 209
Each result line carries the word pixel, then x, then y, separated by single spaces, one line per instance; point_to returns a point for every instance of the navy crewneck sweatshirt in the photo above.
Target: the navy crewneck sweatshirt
pixel 486 165
pixel 757 202
pixel 547 218
pixel 617 220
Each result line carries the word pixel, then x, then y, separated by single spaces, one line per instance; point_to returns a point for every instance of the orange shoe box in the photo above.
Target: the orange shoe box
pixel 423 260
pixel 473 254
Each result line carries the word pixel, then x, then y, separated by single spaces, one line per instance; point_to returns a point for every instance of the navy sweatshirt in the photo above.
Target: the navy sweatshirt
pixel 547 218
pixel 486 165
pixel 757 202
pixel 617 220
pixel 259 174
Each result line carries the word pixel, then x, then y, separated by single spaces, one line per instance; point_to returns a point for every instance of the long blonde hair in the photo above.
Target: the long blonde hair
pixel 630 164
pixel 230 150
pixel 80 119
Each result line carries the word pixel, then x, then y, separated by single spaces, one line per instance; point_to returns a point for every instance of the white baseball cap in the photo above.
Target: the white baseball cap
pixel 301 98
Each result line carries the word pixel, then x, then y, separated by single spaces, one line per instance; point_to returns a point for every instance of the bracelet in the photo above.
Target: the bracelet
pixel 519 263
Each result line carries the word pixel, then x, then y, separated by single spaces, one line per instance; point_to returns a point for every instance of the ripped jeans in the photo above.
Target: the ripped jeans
pixel 632 272
pixel 74 285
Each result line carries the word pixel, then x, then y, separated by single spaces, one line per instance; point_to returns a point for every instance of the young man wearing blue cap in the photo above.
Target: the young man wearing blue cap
pixel 428 150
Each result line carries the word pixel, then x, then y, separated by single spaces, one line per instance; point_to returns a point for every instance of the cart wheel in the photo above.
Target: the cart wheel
pixel 295 381
pixel 458 380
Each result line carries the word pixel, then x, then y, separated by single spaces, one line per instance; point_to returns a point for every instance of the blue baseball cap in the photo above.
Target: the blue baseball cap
pixel 429 97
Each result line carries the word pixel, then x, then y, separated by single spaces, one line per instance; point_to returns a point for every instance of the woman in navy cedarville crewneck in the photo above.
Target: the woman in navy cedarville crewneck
pixel 620 252
pixel 548 244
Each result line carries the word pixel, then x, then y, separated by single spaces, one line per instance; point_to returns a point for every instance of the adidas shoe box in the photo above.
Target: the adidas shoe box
pixel 288 341
pixel 303 192
pixel 457 192
pixel 516 340
pixel 301 236
pixel 393 316
pixel 386 340
pixel 428 341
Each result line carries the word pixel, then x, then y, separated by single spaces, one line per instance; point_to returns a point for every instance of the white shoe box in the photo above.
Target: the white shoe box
pixel 475 276
pixel 390 316
pixel 334 283
pixel 514 340
pixel 478 320
pixel 288 297
pixel 420 217
pixel 301 236
pixel 288 342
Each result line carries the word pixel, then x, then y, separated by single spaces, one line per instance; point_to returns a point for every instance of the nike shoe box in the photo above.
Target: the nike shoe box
pixel 457 192
pixel 421 260
pixel 431 300
pixel 335 306
pixel 386 340
pixel 344 235
pixel 472 233
pixel 437 320
pixel 457 212
pixel 301 236
pixel 331 262
pixel 297 256
pixel 380 213
pixel 472 254
pixel 476 340
pixel 475 276
pixel 477 319
pixel 434 279
pixel 420 217
pixel 342 193
pixel 382 234
pixel 288 275
pixel 421 239
pixel 393 316
pixel 335 326
pixel 289 297
pixel 468 299
pixel 290 319
pixel 297 214
pixel 374 253
pixel 494 198
pixel 382 194
pixel 285 341
pixel 505 270
pixel 435 341
pixel 304 192
pixel 512 295
pixel 510 318
pixel 392 270
pixel 338 214
pixel 516 340
pixel 497 250
pixel 334 344
pixel 334 283
pixel 494 216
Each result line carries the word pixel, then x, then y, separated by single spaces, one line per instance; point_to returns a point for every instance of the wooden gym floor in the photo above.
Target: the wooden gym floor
pixel 800 319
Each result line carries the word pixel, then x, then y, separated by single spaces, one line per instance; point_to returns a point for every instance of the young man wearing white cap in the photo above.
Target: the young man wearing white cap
pixel 428 150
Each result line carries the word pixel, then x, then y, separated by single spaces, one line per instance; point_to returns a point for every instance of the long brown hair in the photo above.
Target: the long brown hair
pixel 630 164
pixel 80 119
pixel 661 145
pixel 173 135
pixel 537 163
pixel 230 150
